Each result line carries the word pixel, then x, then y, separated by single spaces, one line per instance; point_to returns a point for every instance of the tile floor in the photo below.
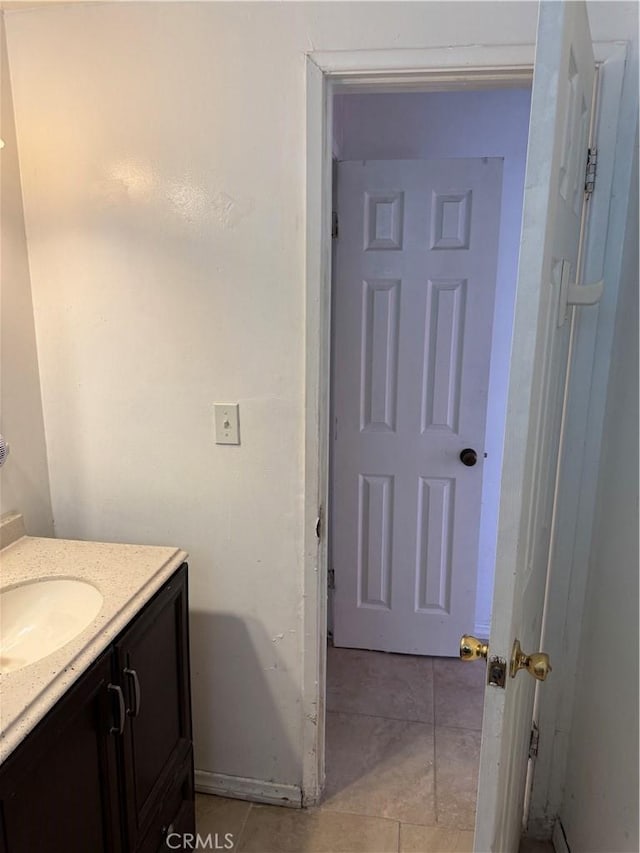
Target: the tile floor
pixel 403 744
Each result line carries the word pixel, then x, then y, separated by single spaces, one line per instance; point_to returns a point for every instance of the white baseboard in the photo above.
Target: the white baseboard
pixel 559 839
pixel 482 629
pixel 256 790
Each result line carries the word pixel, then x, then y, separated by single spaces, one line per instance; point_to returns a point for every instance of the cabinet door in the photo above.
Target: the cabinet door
pixel 58 789
pixel 153 667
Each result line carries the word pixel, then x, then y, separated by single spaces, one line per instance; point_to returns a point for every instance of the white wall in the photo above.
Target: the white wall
pixel 459 124
pixel 24 478
pixel 162 157
pixel 600 809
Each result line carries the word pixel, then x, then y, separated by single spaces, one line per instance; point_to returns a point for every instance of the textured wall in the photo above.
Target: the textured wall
pixel 24 479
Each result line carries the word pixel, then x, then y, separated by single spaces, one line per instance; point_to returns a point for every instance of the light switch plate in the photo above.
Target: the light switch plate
pixel 227 420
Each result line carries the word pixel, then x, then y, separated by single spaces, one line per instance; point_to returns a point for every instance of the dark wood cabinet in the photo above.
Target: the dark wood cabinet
pixel 153 656
pixel 60 784
pixel 110 768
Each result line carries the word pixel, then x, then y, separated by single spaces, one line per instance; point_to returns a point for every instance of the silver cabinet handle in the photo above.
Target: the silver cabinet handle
pixel 117 730
pixel 133 675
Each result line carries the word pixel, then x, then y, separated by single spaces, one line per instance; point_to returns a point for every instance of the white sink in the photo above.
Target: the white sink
pixel 38 617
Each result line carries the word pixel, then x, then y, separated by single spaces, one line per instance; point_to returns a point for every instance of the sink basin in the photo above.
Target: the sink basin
pixel 38 617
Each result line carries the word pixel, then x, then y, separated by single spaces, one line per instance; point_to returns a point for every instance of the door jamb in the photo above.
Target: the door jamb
pixel 430 69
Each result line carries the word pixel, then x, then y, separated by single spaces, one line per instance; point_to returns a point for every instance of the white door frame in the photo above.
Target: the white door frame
pixel 435 69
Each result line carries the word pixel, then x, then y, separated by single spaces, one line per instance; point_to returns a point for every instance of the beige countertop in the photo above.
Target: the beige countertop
pixel 126 575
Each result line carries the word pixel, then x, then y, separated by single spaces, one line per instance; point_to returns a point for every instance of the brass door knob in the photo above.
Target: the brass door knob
pixel 536 664
pixel 471 648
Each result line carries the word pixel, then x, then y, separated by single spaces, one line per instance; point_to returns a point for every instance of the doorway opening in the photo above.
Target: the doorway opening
pixel 427 204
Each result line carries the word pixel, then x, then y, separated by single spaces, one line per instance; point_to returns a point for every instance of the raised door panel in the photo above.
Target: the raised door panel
pixel 443 349
pixel 380 322
pixel 435 534
pixel 375 526
pixel 58 790
pixel 153 666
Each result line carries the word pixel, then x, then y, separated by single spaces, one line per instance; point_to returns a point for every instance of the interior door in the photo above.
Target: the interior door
pixel 413 311
pixel 553 201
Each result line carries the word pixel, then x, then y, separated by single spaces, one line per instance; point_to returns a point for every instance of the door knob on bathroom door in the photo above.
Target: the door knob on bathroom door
pixel 537 664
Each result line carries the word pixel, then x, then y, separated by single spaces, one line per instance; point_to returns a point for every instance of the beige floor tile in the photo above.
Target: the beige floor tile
pixel 382 685
pixel 457 762
pixel 220 815
pixel 272 829
pixel 380 767
pixel 434 839
pixel 459 693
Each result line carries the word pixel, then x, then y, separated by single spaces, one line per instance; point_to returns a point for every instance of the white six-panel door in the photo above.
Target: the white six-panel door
pixel 553 204
pixel 413 309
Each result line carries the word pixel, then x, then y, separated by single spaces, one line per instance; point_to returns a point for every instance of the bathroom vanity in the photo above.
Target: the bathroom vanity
pixel 96 737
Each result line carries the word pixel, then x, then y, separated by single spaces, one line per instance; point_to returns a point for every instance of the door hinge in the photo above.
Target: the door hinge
pixel 331 579
pixel 590 174
pixel 319 530
pixel 334 225
pixel 534 741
